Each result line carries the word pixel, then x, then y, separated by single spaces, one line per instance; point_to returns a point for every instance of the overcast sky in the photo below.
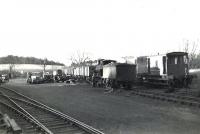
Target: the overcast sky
pixel 56 29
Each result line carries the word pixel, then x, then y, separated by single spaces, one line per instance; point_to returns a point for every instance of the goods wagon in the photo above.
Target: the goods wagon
pixel 154 65
pixel 82 72
pixel 119 74
pixel 89 70
pixel 77 71
pixel 69 70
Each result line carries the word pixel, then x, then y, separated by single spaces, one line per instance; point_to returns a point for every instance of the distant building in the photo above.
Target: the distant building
pixel 30 67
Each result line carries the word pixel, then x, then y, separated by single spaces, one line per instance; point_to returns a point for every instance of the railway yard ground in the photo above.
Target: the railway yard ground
pixel 116 112
pixel 2 131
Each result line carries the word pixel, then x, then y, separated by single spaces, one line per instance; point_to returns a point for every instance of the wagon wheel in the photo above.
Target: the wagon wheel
pixel 107 84
pixel 171 84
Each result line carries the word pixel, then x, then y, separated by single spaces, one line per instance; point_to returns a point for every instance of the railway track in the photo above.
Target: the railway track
pixel 28 125
pixel 185 100
pixel 181 99
pixel 35 117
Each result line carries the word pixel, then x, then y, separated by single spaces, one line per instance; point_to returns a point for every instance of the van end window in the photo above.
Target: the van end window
pixel 156 63
pixel 185 59
pixel 175 60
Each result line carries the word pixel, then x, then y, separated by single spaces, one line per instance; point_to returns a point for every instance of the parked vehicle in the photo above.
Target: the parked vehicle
pixel 59 76
pixel 48 78
pixel 34 78
pixel 4 78
pixel 1 81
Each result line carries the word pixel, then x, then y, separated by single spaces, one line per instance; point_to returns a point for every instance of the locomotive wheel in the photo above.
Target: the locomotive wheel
pixel 171 87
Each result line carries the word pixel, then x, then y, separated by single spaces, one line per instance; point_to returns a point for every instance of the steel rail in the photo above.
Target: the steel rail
pixel 30 120
pixel 172 95
pixel 166 98
pixel 46 130
pixel 82 125
pixel 43 109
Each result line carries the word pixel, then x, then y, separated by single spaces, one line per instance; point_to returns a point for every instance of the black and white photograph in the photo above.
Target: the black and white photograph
pixel 99 67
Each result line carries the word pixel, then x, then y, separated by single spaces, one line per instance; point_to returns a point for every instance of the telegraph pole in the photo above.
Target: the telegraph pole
pixel 45 60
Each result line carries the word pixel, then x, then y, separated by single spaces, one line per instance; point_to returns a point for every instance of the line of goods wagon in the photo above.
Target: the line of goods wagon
pixel 169 69
pixel 81 71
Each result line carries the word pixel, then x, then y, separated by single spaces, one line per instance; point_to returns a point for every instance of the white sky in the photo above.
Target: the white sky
pixel 104 28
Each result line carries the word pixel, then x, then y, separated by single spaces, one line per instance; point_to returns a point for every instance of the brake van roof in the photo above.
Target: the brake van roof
pixel 176 53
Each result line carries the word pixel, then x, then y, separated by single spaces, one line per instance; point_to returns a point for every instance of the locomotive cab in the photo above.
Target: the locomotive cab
pixel 101 63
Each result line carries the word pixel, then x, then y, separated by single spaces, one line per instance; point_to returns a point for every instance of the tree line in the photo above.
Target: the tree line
pixel 193 52
pixel 10 59
pixel 195 61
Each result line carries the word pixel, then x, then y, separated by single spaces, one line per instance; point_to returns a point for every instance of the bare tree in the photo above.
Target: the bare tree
pixel 191 49
pixel 79 58
pixel 127 58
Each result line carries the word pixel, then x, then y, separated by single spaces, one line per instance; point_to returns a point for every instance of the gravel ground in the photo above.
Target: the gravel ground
pixel 114 113
pixel 2 131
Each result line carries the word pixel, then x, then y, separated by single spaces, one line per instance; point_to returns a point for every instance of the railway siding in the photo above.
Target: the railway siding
pixel 190 101
pixel 45 118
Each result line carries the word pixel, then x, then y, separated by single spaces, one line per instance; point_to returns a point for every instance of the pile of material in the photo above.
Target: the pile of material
pixel 8 125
